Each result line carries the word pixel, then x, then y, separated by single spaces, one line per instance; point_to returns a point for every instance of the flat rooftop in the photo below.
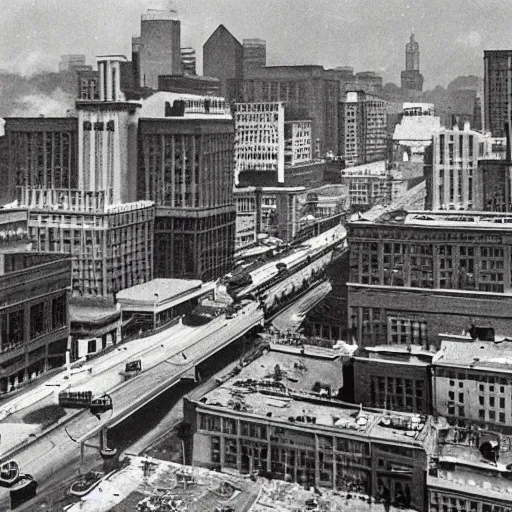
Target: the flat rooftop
pixel 293 398
pixel 479 355
pixel 158 290
pixel 163 484
pixel 442 219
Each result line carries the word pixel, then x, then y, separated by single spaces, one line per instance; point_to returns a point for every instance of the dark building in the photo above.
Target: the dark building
pixel 88 87
pixel 34 323
pixel 43 152
pixel 255 54
pixel 186 167
pixel 497 83
pixel 396 379
pixel 309 92
pixel 189 84
pixel 223 58
pixel 160 46
pixel 416 275
pixel 494 185
pixel 411 78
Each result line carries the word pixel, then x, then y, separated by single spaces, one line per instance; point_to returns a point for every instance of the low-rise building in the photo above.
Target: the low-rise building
pixel 159 303
pixel 34 318
pixel 280 416
pixel 472 381
pixel 395 378
pixel 467 475
pixel 372 184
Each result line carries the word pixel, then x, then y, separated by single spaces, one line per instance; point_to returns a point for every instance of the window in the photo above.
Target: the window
pixel 403 331
pixel 36 320
pixel 502 417
pixel 91 346
pixel 59 312
pixel 492 415
pixel 481 414
pixel 502 402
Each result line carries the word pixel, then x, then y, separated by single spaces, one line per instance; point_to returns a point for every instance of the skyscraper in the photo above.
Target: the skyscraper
pixel 255 54
pixel 223 58
pixel 160 46
pixel 412 78
pixel 497 83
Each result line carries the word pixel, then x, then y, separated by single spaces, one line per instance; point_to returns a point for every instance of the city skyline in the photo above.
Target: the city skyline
pixel 33 35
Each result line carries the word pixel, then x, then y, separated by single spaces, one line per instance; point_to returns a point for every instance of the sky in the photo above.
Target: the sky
pixel 369 35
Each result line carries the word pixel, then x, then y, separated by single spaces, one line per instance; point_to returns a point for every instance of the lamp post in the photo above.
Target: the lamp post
pixel 155 302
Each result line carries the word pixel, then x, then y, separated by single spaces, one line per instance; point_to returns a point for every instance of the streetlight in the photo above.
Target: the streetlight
pixel 155 302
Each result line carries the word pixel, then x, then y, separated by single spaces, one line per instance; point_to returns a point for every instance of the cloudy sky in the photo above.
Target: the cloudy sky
pixel 365 34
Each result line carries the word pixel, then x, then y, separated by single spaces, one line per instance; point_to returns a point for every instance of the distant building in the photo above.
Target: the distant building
pixel 417 274
pixel 287 212
pixel 159 52
pixel 497 84
pixel 362 128
pixel 73 62
pixel 189 84
pixel 88 86
pixel 372 184
pixel 254 54
pixel 472 382
pixel 413 135
pixel 467 172
pixel 411 78
pixel 223 59
pixel 310 92
pixel 186 167
pixel 188 60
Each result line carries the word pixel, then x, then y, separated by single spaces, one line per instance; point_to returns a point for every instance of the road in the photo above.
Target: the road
pixel 291 318
pixel 46 455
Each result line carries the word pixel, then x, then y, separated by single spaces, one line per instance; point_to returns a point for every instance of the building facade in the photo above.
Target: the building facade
pixel 472 383
pixel 411 78
pixel 313 441
pixel 188 61
pixel 112 246
pixel 371 184
pixel 453 184
pixel 362 128
pixel 415 275
pixel 186 167
pixel 223 59
pixel 254 54
pixel 42 152
pixel 497 83
pixel 310 92
pixel 34 319
pixel 160 46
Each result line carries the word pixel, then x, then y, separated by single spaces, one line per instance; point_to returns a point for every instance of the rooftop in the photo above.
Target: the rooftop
pixel 158 290
pixel 301 396
pixel 371 169
pixel 476 354
pixel 417 128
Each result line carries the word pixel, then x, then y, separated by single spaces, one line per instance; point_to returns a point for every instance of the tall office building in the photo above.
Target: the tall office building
pixel 160 46
pixel 223 58
pixel 497 84
pixel 412 78
pixel 362 128
pixel 186 167
pixel 255 54
pixel 310 92
pixel 188 60
pixel 80 175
